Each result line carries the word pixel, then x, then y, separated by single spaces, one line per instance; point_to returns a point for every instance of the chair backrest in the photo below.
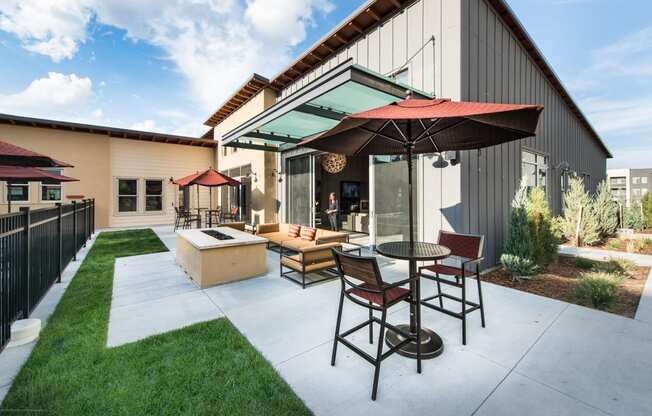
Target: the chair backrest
pixel 358 267
pixel 234 210
pixel 462 245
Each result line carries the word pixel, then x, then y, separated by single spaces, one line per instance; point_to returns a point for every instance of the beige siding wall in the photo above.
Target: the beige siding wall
pixel 263 193
pixel 89 153
pixel 147 160
pixel 496 68
pixel 98 160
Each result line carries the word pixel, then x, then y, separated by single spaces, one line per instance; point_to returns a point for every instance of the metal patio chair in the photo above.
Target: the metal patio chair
pixel 468 249
pixel 375 295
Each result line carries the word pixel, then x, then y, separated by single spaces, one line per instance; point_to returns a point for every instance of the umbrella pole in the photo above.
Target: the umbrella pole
pixel 408 147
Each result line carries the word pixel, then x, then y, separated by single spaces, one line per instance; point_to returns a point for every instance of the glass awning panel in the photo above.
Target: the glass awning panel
pixel 317 107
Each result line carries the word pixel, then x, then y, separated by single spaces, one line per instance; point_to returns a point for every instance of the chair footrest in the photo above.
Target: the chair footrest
pixel 459 315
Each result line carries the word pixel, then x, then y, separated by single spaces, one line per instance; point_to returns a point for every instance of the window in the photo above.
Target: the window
pixel 636 191
pixel 153 195
pixel 635 180
pixel 51 192
pixel 534 168
pixel 644 179
pixel 224 149
pixel 127 195
pixel 643 191
pixel 18 191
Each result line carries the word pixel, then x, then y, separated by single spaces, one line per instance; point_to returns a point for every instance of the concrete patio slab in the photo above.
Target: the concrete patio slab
pixel 519 395
pixel 644 310
pixel 455 383
pixel 134 322
pixel 596 357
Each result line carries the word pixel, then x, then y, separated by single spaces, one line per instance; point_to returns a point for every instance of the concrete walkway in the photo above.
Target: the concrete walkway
pixel 12 359
pixel 537 356
pixel 644 311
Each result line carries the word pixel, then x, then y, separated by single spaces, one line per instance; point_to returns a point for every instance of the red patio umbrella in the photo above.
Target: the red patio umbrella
pixel 30 174
pixel 12 155
pixel 416 126
pixel 210 178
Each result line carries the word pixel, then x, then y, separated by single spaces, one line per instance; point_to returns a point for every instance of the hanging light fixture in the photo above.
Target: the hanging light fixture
pixel 333 162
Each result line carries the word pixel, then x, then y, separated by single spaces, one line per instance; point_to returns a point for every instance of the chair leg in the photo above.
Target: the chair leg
pixel 379 354
pixel 418 302
pixel 337 327
pixel 477 276
pixel 441 300
pixel 371 327
pixel 303 279
pixel 463 310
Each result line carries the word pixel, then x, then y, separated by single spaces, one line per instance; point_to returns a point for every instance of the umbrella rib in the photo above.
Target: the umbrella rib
pixel 446 128
pixel 357 152
pixel 399 131
pixel 394 139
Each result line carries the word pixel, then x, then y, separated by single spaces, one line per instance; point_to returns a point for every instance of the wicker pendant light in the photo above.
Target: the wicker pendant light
pixel 333 162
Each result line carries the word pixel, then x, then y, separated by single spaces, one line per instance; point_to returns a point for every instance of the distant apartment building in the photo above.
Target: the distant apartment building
pixel 629 185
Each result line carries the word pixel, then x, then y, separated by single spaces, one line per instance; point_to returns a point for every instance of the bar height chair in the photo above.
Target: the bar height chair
pixel 468 249
pixel 375 295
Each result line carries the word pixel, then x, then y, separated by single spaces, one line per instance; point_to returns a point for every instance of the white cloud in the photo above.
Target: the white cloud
pixel 145 125
pixel 53 27
pixel 58 95
pixel 215 44
pixel 636 157
pixel 624 117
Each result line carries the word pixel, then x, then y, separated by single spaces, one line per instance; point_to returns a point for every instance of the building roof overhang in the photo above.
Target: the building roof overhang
pixel 106 131
pixel 318 106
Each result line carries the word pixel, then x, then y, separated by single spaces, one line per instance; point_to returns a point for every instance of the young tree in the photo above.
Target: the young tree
pixel 606 211
pixel 518 253
pixel 633 218
pixel 647 209
pixel 578 207
pixel 540 219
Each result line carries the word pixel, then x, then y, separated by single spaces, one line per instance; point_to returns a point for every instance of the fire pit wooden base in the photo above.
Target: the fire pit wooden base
pixel 209 261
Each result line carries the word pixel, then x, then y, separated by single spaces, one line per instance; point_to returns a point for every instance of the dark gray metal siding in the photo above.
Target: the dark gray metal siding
pixel 496 68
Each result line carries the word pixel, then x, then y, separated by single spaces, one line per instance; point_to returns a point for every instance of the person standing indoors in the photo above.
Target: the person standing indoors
pixel 333 209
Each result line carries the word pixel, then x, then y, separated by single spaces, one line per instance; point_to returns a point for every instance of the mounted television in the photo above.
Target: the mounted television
pixel 349 190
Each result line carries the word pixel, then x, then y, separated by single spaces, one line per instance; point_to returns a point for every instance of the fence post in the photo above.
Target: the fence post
pixel 85 221
pixel 60 239
pixel 93 216
pixel 27 257
pixel 74 230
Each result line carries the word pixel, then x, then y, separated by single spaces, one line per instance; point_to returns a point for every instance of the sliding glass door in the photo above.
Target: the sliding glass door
pixel 299 190
pixel 390 185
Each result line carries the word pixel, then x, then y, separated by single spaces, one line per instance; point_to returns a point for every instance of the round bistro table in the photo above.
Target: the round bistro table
pixel 431 343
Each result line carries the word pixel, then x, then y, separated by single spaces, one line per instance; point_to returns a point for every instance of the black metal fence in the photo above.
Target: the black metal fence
pixel 35 248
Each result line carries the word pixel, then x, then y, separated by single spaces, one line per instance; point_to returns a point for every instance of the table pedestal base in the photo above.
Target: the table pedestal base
pixel 431 343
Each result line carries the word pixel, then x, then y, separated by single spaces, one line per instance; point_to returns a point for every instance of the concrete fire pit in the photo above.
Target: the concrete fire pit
pixel 212 256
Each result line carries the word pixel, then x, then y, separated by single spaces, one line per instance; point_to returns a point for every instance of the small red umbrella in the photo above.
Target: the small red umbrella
pixel 12 155
pixel 210 178
pixel 30 174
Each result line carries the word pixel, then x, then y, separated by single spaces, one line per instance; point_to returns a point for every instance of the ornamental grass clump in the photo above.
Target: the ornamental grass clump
pixel 598 289
pixel 583 263
pixel 618 267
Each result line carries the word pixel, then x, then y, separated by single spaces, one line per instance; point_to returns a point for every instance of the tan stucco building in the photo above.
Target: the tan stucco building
pixel 127 172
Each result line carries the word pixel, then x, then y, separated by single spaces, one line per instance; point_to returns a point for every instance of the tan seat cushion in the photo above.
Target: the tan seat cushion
pixel 294 263
pixel 277 237
pixel 297 244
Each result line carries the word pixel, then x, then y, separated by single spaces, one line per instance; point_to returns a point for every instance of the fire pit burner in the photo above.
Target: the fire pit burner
pixel 217 235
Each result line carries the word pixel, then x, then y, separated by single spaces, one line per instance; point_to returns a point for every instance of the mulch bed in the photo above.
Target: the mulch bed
pixel 560 279
pixel 617 244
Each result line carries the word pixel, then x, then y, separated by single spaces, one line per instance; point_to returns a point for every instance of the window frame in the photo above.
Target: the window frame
pixel 15 184
pixel 116 198
pixel 546 158
pixel 58 171
pixel 145 195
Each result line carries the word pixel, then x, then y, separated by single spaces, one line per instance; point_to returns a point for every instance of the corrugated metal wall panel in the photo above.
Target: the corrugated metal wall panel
pixel 500 70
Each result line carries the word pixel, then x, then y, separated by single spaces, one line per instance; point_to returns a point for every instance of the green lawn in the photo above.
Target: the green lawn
pixel 207 368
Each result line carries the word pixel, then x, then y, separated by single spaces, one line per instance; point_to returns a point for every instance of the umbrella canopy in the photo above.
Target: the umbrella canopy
pixel 427 126
pixel 210 177
pixel 30 174
pixel 12 155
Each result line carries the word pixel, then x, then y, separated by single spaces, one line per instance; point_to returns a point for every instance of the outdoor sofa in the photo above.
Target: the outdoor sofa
pixel 302 254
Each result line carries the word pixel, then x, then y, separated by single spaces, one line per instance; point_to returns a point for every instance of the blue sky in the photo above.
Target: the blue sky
pixel 165 65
